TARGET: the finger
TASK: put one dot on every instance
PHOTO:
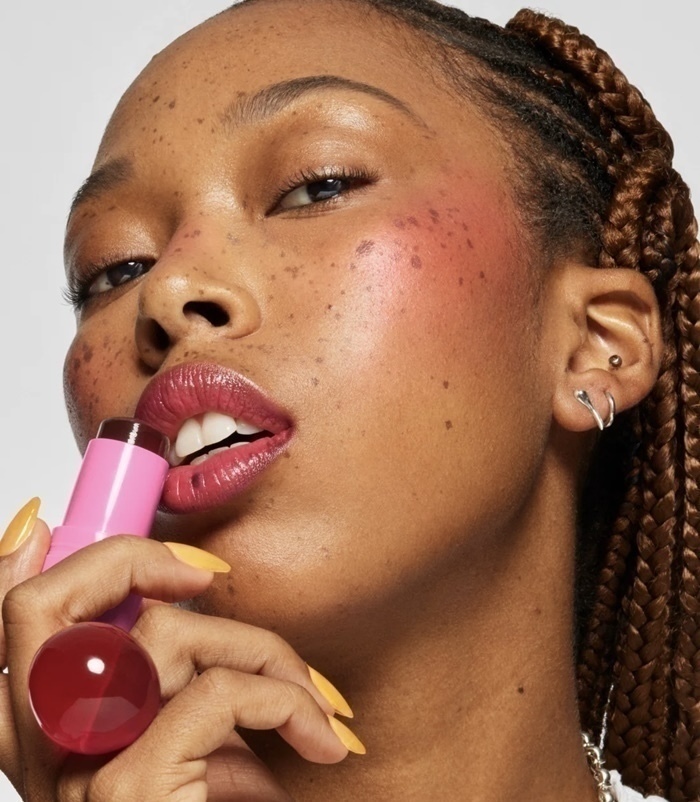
(24, 562)
(87, 584)
(169, 759)
(183, 644)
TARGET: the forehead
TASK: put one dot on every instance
(237, 53)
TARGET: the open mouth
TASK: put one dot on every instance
(210, 433)
(225, 432)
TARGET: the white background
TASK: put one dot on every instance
(64, 65)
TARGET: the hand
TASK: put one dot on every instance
(215, 674)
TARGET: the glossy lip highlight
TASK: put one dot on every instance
(193, 389)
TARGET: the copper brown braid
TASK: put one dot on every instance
(685, 754)
(652, 654)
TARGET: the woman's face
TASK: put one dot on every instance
(386, 311)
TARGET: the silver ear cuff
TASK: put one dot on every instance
(582, 396)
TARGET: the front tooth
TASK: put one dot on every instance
(189, 438)
(217, 427)
(246, 428)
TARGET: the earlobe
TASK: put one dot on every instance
(610, 355)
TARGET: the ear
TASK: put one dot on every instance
(599, 313)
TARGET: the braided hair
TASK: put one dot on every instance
(595, 178)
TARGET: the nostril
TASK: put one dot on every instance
(211, 312)
(158, 336)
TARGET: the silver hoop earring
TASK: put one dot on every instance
(582, 396)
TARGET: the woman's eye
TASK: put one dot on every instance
(117, 275)
(314, 192)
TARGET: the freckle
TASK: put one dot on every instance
(366, 246)
(171, 105)
(448, 424)
(434, 215)
(416, 262)
(481, 274)
(160, 138)
(178, 250)
(446, 384)
(461, 281)
(470, 243)
(314, 381)
(414, 222)
(112, 208)
(319, 360)
(196, 233)
(399, 224)
(88, 353)
(291, 316)
(200, 120)
(156, 98)
(352, 265)
(521, 689)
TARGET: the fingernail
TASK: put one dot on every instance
(330, 693)
(20, 527)
(198, 558)
(347, 737)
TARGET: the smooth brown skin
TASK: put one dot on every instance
(416, 544)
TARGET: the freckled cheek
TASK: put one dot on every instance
(94, 374)
(440, 280)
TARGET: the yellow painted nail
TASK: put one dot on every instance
(347, 737)
(20, 527)
(198, 558)
(330, 693)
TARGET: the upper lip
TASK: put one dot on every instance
(192, 389)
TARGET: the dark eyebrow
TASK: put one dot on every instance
(105, 178)
(274, 98)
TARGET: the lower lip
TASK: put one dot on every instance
(221, 478)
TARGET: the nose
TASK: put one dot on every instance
(178, 304)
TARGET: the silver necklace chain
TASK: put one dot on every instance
(600, 774)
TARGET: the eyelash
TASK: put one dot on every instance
(357, 177)
(77, 294)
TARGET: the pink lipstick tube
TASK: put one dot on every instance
(117, 492)
(92, 687)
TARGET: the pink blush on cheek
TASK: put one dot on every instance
(444, 263)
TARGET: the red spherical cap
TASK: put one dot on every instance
(93, 688)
